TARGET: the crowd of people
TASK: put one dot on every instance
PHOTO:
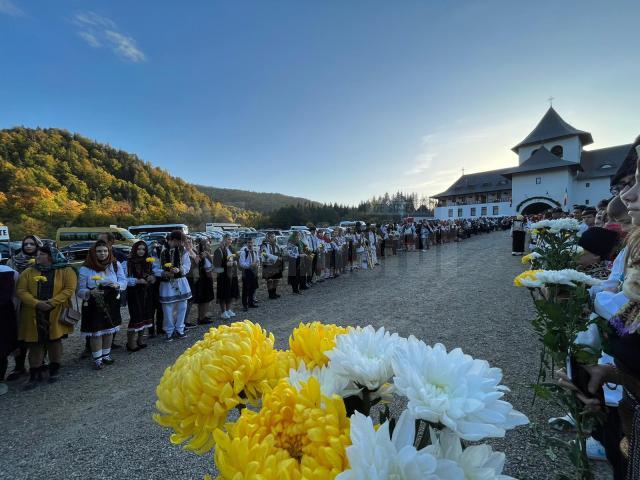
(43, 298)
(609, 237)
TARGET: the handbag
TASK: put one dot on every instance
(70, 316)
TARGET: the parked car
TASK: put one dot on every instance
(243, 237)
(77, 252)
(6, 250)
(157, 236)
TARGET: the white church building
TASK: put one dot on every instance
(553, 171)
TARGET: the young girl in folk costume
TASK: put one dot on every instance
(171, 268)
(203, 281)
(225, 266)
(99, 286)
(351, 251)
(141, 280)
(272, 264)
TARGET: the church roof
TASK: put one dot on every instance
(602, 162)
(551, 127)
(481, 182)
(541, 159)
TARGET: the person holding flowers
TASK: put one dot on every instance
(226, 268)
(272, 265)
(295, 252)
(101, 279)
(45, 290)
(20, 262)
(140, 278)
(203, 281)
(171, 269)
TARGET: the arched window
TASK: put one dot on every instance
(557, 151)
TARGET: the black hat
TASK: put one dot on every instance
(557, 210)
(628, 166)
(312, 227)
(599, 241)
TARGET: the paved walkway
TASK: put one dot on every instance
(97, 425)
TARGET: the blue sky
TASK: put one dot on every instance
(332, 100)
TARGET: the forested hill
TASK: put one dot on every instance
(51, 178)
(256, 201)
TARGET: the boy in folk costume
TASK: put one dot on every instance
(171, 268)
(359, 248)
(272, 264)
(226, 268)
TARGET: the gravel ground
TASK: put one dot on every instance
(98, 425)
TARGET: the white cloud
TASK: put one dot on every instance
(90, 38)
(125, 46)
(8, 8)
(98, 31)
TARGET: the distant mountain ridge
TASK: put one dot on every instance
(51, 178)
(262, 202)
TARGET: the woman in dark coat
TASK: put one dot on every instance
(8, 320)
(203, 281)
(140, 285)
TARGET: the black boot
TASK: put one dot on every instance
(272, 294)
(54, 372)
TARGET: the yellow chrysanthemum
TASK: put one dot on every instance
(535, 231)
(96, 278)
(168, 265)
(527, 259)
(526, 275)
(229, 366)
(31, 261)
(285, 361)
(296, 435)
(150, 259)
(309, 341)
(40, 278)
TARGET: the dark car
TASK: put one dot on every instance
(79, 250)
(7, 248)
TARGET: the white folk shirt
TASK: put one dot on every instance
(247, 258)
(86, 283)
(177, 289)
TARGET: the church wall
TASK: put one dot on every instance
(551, 184)
(474, 211)
(572, 149)
(597, 190)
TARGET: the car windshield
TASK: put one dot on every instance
(127, 234)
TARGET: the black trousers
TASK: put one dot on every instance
(249, 286)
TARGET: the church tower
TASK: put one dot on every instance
(556, 136)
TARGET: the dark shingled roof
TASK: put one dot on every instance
(478, 183)
(551, 127)
(602, 162)
(541, 159)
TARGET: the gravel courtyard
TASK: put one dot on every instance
(97, 425)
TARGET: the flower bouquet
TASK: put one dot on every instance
(562, 302)
(307, 412)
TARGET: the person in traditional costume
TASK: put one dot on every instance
(350, 247)
(203, 280)
(359, 246)
(598, 244)
(8, 320)
(296, 255)
(226, 268)
(20, 262)
(45, 290)
(272, 264)
(172, 266)
(101, 280)
(191, 276)
(372, 245)
(248, 261)
(517, 234)
(140, 283)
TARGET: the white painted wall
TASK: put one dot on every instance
(504, 208)
(552, 185)
(597, 190)
(572, 149)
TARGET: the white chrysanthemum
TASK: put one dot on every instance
(557, 226)
(567, 276)
(363, 355)
(454, 389)
(478, 462)
(373, 455)
(330, 383)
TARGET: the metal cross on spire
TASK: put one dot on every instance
(551, 99)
